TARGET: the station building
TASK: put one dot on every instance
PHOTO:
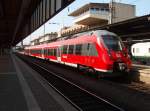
(44, 39)
(98, 14)
(89, 16)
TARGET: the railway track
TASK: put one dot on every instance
(80, 98)
(131, 83)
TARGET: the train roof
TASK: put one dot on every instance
(141, 44)
(104, 32)
(78, 38)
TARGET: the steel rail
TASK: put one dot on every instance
(78, 107)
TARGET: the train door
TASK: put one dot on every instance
(93, 54)
(59, 54)
(42, 53)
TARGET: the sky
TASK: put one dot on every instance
(62, 18)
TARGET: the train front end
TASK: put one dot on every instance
(115, 55)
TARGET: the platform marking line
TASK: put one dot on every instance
(29, 97)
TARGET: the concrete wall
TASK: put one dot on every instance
(123, 12)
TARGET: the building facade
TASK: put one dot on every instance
(99, 14)
(44, 39)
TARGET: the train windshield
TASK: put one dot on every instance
(112, 42)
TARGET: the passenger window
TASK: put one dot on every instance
(54, 52)
(38, 51)
(137, 50)
(78, 49)
(35, 51)
(45, 51)
(93, 50)
(133, 50)
(65, 47)
(50, 52)
(71, 49)
(85, 49)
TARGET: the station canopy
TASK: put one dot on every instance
(133, 29)
(19, 18)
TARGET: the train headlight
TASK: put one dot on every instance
(122, 66)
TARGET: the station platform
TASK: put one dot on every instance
(143, 71)
(23, 89)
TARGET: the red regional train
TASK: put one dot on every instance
(99, 51)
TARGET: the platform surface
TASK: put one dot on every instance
(21, 89)
(11, 95)
(143, 71)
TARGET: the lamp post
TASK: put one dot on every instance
(44, 33)
(111, 7)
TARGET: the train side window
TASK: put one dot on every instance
(65, 47)
(54, 54)
(39, 51)
(133, 50)
(58, 51)
(32, 51)
(71, 49)
(35, 51)
(50, 52)
(85, 49)
(137, 50)
(78, 49)
(42, 51)
(45, 51)
(61, 50)
(93, 50)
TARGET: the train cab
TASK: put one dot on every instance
(115, 54)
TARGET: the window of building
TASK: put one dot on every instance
(102, 9)
(97, 9)
(92, 9)
(107, 9)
